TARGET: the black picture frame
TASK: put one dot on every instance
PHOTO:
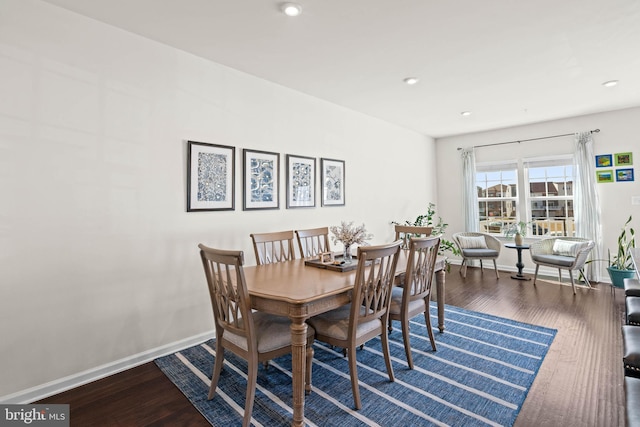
(333, 182)
(301, 181)
(261, 180)
(210, 177)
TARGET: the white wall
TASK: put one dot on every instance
(618, 133)
(98, 256)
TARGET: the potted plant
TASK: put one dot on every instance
(621, 265)
(426, 220)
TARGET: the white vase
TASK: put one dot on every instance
(518, 239)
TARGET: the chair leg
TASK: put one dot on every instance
(353, 371)
(535, 276)
(573, 285)
(586, 279)
(387, 354)
(217, 368)
(252, 379)
(481, 268)
(560, 275)
(463, 268)
(495, 266)
(427, 321)
(405, 338)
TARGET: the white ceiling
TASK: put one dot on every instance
(509, 62)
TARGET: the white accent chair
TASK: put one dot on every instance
(480, 246)
(563, 253)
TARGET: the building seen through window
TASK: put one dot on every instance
(545, 205)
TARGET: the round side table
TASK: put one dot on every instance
(520, 265)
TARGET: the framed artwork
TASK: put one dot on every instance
(261, 180)
(623, 159)
(332, 182)
(624, 174)
(301, 181)
(210, 177)
(604, 176)
(604, 161)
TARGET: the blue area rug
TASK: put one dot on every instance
(480, 375)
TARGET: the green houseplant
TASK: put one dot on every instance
(427, 220)
(621, 265)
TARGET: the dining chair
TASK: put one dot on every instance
(255, 336)
(367, 315)
(405, 232)
(414, 296)
(313, 241)
(274, 247)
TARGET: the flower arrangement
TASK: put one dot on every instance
(348, 234)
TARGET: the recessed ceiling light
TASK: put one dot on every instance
(411, 80)
(465, 113)
(610, 83)
(291, 9)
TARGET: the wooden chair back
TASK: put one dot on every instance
(421, 263)
(275, 247)
(406, 232)
(372, 288)
(228, 291)
(313, 241)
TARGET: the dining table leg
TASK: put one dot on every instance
(298, 366)
(440, 275)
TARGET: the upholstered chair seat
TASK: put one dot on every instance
(631, 287)
(631, 350)
(272, 332)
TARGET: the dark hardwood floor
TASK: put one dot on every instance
(580, 382)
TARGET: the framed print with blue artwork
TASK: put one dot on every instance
(624, 175)
(301, 181)
(261, 180)
(332, 182)
(210, 177)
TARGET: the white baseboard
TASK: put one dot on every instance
(72, 381)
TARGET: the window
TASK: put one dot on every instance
(546, 204)
(497, 196)
(550, 198)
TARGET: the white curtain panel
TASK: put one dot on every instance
(586, 206)
(469, 192)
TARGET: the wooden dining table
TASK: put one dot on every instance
(300, 291)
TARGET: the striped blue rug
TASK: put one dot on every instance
(480, 375)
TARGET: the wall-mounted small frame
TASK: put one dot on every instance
(624, 174)
(261, 180)
(332, 182)
(301, 181)
(623, 159)
(210, 177)
(604, 176)
(604, 161)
